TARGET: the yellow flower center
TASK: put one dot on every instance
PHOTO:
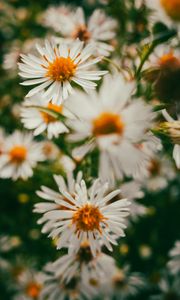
(33, 290)
(172, 8)
(88, 218)
(61, 69)
(18, 154)
(108, 123)
(47, 117)
(81, 33)
(167, 59)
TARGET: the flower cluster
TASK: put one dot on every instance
(94, 123)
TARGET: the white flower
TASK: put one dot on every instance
(174, 263)
(115, 124)
(84, 264)
(176, 150)
(54, 288)
(124, 284)
(20, 155)
(160, 171)
(34, 117)
(84, 215)
(98, 30)
(167, 11)
(29, 285)
(58, 67)
(44, 207)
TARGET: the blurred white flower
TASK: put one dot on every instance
(29, 285)
(58, 67)
(34, 117)
(115, 124)
(174, 263)
(167, 11)
(98, 30)
(124, 284)
(20, 155)
(83, 215)
(84, 264)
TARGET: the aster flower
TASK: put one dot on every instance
(176, 150)
(29, 285)
(34, 116)
(85, 215)
(2, 138)
(58, 67)
(50, 205)
(98, 30)
(113, 123)
(165, 10)
(20, 155)
(168, 288)
(85, 264)
(124, 284)
(160, 171)
(174, 263)
(54, 288)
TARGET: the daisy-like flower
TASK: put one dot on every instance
(85, 215)
(20, 156)
(124, 284)
(174, 263)
(113, 123)
(168, 288)
(160, 171)
(34, 117)
(54, 288)
(176, 150)
(167, 11)
(50, 205)
(98, 30)
(85, 264)
(29, 285)
(58, 67)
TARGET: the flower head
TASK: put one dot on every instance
(40, 114)
(58, 67)
(113, 123)
(174, 263)
(85, 215)
(19, 156)
(98, 30)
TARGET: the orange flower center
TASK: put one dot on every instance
(47, 117)
(154, 167)
(172, 8)
(18, 154)
(33, 289)
(108, 123)
(61, 69)
(81, 33)
(88, 218)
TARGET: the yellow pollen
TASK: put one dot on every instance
(33, 290)
(108, 123)
(88, 218)
(61, 69)
(172, 8)
(47, 117)
(18, 154)
(82, 33)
